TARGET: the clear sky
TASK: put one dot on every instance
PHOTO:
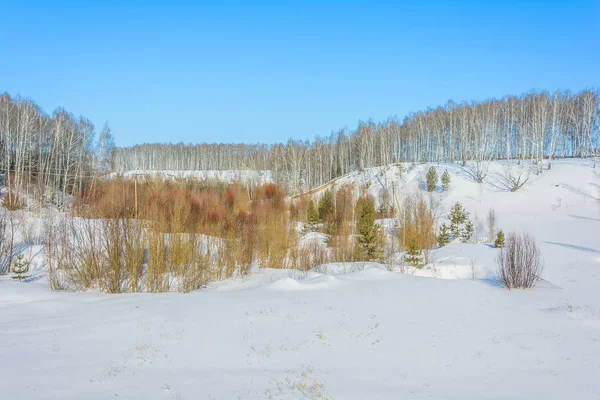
(253, 71)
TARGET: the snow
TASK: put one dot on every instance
(225, 176)
(343, 331)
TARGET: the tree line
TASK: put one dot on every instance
(47, 156)
(52, 155)
(533, 126)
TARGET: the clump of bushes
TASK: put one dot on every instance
(519, 262)
(162, 236)
(341, 240)
(13, 202)
(417, 228)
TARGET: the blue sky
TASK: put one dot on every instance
(183, 71)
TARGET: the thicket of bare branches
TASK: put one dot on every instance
(417, 217)
(491, 225)
(520, 262)
(7, 240)
(175, 238)
(5, 253)
(516, 175)
(119, 255)
(534, 126)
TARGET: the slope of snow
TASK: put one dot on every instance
(345, 331)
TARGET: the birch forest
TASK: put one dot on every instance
(533, 126)
(44, 157)
(51, 155)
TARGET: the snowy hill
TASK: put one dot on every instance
(349, 331)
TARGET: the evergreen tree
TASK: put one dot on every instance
(20, 268)
(446, 180)
(326, 206)
(369, 242)
(458, 216)
(414, 256)
(467, 232)
(313, 214)
(499, 243)
(338, 171)
(432, 179)
(444, 236)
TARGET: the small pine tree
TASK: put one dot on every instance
(369, 242)
(20, 268)
(444, 237)
(382, 211)
(432, 179)
(326, 206)
(458, 216)
(414, 256)
(313, 214)
(499, 242)
(446, 180)
(467, 232)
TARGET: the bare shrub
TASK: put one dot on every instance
(122, 255)
(341, 240)
(173, 238)
(7, 240)
(478, 169)
(520, 262)
(491, 225)
(307, 256)
(157, 268)
(386, 208)
(13, 202)
(342, 243)
(273, 231)
(86, 254)
(5, 247)
(479, 228)
(473, 264)
(417, 223)
(516, 176)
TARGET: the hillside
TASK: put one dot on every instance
(346, 331)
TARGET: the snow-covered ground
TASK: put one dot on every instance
(348, 331)
(225, 176)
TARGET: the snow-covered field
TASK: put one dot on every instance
(353, 331)
(225, 176)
